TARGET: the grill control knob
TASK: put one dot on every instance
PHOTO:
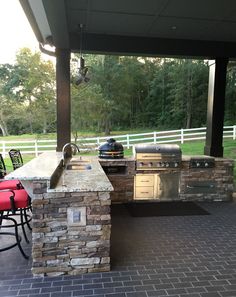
(167, 164)
(150, 164)
(140, 164)
(176, 164)
(198, 164)
(206, 164)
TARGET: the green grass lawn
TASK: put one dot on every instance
(82, 134)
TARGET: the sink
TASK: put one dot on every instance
(79, 161)
(79, 164)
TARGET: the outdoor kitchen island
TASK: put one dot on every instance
(71, 214)
(71, 203)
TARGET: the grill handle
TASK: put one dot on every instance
(200, 186)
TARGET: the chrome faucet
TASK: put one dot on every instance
(64, 153)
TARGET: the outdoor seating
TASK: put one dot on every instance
(16, 158)
(12, 204)
(13, 185)
(7, 184)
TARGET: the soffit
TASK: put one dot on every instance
(182, 24)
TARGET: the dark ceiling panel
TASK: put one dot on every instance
(119, 24)
(76, 18)
(170, 27)
(232, 15)
(173, 27)
(75, 4)
(204, 9)
(225, 31)
(127, 6)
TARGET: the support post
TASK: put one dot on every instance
(63, 97)
(215, 109)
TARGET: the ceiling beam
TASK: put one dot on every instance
(145, 46)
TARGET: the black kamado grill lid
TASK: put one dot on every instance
(111, 149)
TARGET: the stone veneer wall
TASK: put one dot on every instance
(63, 244)
(221, 175)
(123, 184)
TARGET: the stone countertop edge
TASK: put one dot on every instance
(186, 158)
(44, 166)
(39, 168)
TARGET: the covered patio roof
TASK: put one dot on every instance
(152, 27)
(183, 28)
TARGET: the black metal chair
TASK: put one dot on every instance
(7, 184)
(16, 158)
(12, 202)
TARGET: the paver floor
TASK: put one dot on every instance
(176, 256)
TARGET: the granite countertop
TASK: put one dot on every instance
(186, 158)
(47, 165)
(40, 168)
(93, 179)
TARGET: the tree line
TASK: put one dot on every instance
(122, 93)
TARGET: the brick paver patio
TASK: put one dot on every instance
(177, 256)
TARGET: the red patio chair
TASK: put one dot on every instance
(12, 202)
(13, 185)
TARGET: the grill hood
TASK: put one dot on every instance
(158, 148)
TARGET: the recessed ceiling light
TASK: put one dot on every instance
(173, 27)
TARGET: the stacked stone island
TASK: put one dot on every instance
(221, 178)
(70, 216)
(65, 244)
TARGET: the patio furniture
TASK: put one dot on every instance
(7, 184)
(16, 158)
(13, 185)
(13, 203)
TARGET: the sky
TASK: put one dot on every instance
(15, 31)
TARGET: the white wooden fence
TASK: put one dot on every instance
(177, 136)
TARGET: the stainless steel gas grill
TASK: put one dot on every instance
(161, 157)
(157, 171)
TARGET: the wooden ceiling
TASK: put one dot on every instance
(203, 28)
